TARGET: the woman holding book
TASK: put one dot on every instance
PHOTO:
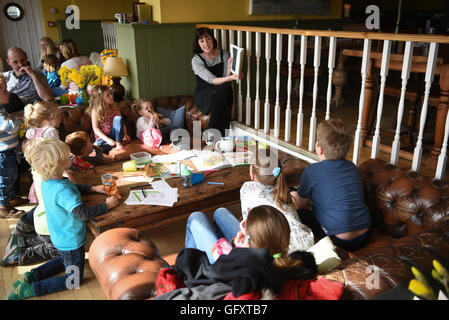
(212, 69)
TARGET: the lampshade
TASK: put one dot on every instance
(115, 67)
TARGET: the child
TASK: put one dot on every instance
(149, 124)
(66, 219)
(30, 240)
(269, 187)
(51, 65)
(42, 119)
(259, 261)
(8, 100)
(107, 122)
(9, 140)
(81, 147)
(335, 187)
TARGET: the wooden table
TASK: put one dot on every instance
(199, 197)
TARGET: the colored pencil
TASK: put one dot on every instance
(218, 183)
(226, 174)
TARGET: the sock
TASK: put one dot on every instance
(23, 291)
(27, 277)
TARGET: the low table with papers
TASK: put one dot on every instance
(202, 196)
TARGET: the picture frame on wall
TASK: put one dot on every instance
(297, 7)
(237, 59)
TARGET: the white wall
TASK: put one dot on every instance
(25, 33)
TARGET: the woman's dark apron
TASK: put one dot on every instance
(216, 99)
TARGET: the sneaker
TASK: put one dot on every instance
(12, 259)
(23, 291)
(27, 277)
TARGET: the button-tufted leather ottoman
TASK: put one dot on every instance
(126, 264)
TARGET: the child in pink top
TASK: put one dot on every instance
(107, 122)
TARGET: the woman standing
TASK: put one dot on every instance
(211, 67)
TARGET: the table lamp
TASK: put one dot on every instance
(115, 67)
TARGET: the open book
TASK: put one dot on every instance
(208, 160)
(237, 158)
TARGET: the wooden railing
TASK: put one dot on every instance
(428, 65)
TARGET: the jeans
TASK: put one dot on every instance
(116, 134)
(71, 261)
(201, 235)
(8, 176)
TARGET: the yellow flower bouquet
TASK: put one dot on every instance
(87, 75)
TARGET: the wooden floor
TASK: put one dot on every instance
(170, 239)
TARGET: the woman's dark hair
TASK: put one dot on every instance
(199, 33)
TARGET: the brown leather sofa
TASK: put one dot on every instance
(410, 228)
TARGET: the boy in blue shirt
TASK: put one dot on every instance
(335, 187)
(66, 219)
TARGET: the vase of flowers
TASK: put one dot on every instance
(87, 75)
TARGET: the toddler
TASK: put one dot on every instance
(81, 147)
(149, 124)
(108, 124)
(9, 140)
(66, 219)
(42, 119)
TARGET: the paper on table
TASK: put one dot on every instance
(161, 195)
(137, 179)
(173, 157)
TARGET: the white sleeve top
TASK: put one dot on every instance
(254, 194)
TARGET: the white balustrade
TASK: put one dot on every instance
(300, 120)
(288, 111)
(277, 107)
(239, 83)
(266, 114)
(364, 72)
(406, 65)
(430, 72)
(257, 98)
(248, 77)
(331, 66)
(380, 104)
(316, 65)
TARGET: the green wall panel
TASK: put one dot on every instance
(161, 60)
(89, 37)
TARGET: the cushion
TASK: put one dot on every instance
(325, 255)
(176, 116)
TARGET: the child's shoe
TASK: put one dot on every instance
(23, 291)
(27, 277)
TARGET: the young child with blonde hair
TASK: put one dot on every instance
(42, 119)
(66, 218)
(108, 124)
(150, 123)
